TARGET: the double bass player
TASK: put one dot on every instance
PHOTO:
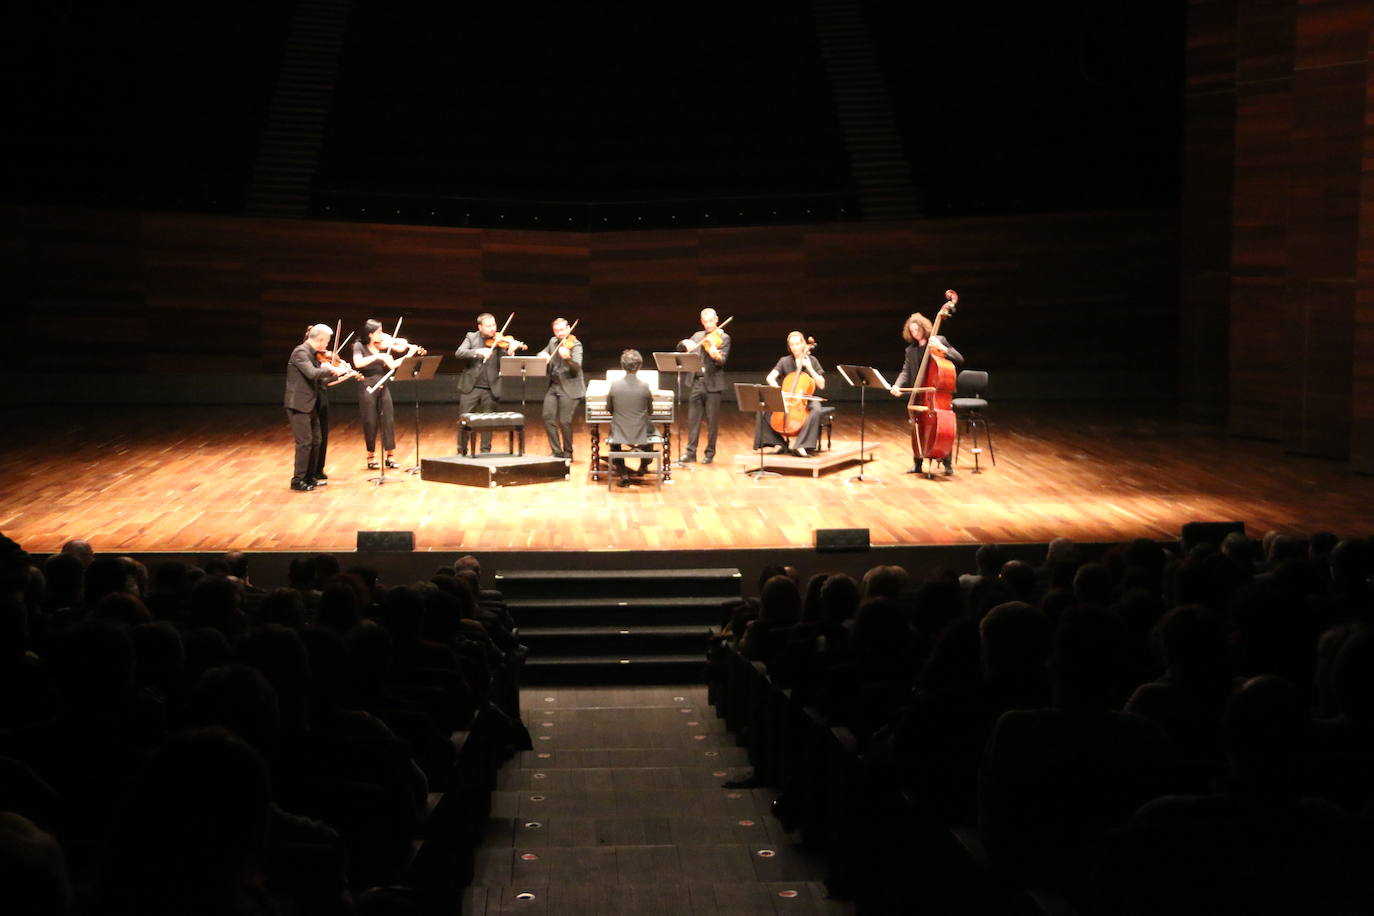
(917, 332)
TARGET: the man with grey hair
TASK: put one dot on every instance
(708, 385)
(306, 372)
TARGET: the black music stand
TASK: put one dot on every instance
(863, 378)
(416, 369)
(679, 364)
(523, 367)
(757, 399)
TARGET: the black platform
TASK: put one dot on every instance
(493, 470)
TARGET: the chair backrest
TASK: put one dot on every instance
(971, 382)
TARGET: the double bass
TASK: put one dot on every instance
(930, 409)
(798, 391)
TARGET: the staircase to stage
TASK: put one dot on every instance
(626, 626)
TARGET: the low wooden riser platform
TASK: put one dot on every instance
(211, 478)
(838, 455)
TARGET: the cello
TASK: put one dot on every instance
(930, 410)
(798, 390)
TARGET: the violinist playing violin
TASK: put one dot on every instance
(376, 352)
(306, 372)
(708, 385)
(917, 334)
(479, 382)
(567, 386)
(792, 374)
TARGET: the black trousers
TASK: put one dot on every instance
(699, 402)
(373, 409)
(305, 429)
(317, 466)
(558, 416)
(479, 400)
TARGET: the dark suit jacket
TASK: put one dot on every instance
(565, 375)
(304, 379)
(912, 364)
(475, 368)
(713, 371)
(631, 403)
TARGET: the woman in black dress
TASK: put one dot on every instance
(372, 357)
(798, 359)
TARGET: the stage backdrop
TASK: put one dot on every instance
(150, 306)
(1278, 216)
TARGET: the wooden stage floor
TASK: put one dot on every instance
(212, 478)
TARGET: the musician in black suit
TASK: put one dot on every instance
(479, 383)
(917, 334)
(806, 439)
(707, 386)
(567, 386)
(630, 402)
(305, 378)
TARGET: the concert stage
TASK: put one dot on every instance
(178, 479)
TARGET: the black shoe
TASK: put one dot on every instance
(319, 478)
(317, 481)
(689, 458)
(391, 463)
(914, 469)
(708, 459)
(302, 485)
(623, 482)
(373, 466)
(949, 470)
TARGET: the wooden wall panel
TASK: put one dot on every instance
(1362, 381)
(1055, 293)
(1209, 148)
(1259, 232)
(1324, 209)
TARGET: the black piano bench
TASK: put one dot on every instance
(470, 425)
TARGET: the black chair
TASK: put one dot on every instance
(970, 387)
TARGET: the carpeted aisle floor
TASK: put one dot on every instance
(619, 809)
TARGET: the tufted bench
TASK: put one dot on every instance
(470, 425)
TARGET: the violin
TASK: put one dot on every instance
(930, 408)
(503, 341)
(798, 390)
(399, 347)
(332, 358)
(568, 341)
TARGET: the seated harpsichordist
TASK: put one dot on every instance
(630, 403)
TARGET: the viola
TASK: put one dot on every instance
(930, 409)
(798, 390)
(713, 341)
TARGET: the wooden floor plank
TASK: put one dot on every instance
(213, 478)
